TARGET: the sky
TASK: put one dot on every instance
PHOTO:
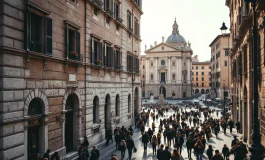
(199, 22)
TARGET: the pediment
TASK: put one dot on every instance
(162, 69)
(162, 47)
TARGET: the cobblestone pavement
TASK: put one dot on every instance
(217, 143)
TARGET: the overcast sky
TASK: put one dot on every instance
(199, 22)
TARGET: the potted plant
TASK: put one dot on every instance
(98, 62)
(73, 55)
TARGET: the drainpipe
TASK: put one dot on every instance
(85, 60)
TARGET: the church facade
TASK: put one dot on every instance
(168, 67)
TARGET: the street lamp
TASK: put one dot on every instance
(223, 28)
(256, 147)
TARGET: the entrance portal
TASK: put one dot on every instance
(107, 113)
(136, 96)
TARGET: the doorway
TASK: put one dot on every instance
(107, 113)
(33, 142)
(163, 77)
(69, 123)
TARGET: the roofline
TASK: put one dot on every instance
(207, 62)
(219, 36)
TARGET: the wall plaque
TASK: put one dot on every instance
(72, 77)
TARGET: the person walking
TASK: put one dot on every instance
(225, 152)
(47, 154)
(189, 145)
(158, 138)
(94, 153)
(217, 156)
(198, 148)
(117, 140)
(130, 146)
(165, 154)
(234, 141)
(145, 140)
(231, 125)
(238, 127)
(209, 152)
(224, 126)
(159, 151)
(55, 156)
(83, 152)
(150, 134)
(154, 143)
(179, 140)
(122, 148)
(175, 155)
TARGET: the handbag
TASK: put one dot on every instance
(134, 150)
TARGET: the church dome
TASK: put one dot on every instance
(175, 37)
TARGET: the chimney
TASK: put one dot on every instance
(155, 43)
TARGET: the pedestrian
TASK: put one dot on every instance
(47, 154)
(145, 140)
(150, 134)
(94, 153)
(165, 154)
(216, 131)
(175, 155)
(154, 143)
(37, 156)
(224, 126)
(122, 148)
(179, 140)
(130, 146)
(158, 138)
(225, 152)
(198, 148)
(231, 125)
(238, 127)
(159, 151)
(83, 152)
(209, 152)
(189, 145)
(117, 140)
(55, 156)
(85, 142)
(114, 157)
(217, 156)
(234, 141)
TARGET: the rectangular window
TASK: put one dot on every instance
(116, 10)
(203, 73)
(192, 73)
(210, 67)
(196, 78)
(38, 33)
(196, 67)
(226, 52)
(210, 73)
(202, 78)
(202, 67)
(196, 73)
(192, 67)
(96, 52)
(117, 59)
(136, 28)
(72, 37)
(225, 63)
(217, 66)
(202, 84)
(133, 63)
(197, 84)
(129, 20)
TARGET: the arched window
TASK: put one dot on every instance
(35, 107)
(117, 106)
(129, 103)
(95, 109)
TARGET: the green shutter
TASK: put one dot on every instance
(114, 59)
(67, 42)
(105, 55)
(100, 52)
(27, 30)
(48, 36)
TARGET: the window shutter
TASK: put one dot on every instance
(105, 5)
(27, 33)
(78, 45)
(100, 52)
(48, 36)
(114, 10)
(120, 59)
(127, 63)
(92, 51)
(111, 58)
(111, 6)
(114, 58)
(66, 42)
(105, 55)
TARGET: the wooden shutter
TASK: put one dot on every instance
(127, 62)
(105, 55)
(27, 17)
(67, 41)
(78, 45)
(111, 6)
(48, 36)
(105, 5)
(120, 59)
(114, 58)
(100, 52)
(92, 51)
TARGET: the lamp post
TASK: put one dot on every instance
(256, 147)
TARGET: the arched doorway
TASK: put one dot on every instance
(35, 112)
(136, 101)
(207, 91)
(202, 91)
(117, 105)
(107, 112)
(70, 131)
(197, 91)
(162, 90)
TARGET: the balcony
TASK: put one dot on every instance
(75, 56)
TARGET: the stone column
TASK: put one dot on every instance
(147, 70)
(169, 71)
(179, 70)
(188, 71)
(156, 77)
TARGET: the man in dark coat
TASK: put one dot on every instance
(217, 156)
(150, 133)
(145, 140)
(166, 155)
(179, 140)
(130, 145)
(159, 151)
(189, 145)
(224, 126)
(231, 125)
(234, 141)
(94, 153)
(117, 140)
(47, 154)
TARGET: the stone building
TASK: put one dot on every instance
(143, 74)
(201, 77)
(69, 69)
(221, 80)
(241, 55)
(168, 67)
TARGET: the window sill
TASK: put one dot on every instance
(95, 17)
(95, 125)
